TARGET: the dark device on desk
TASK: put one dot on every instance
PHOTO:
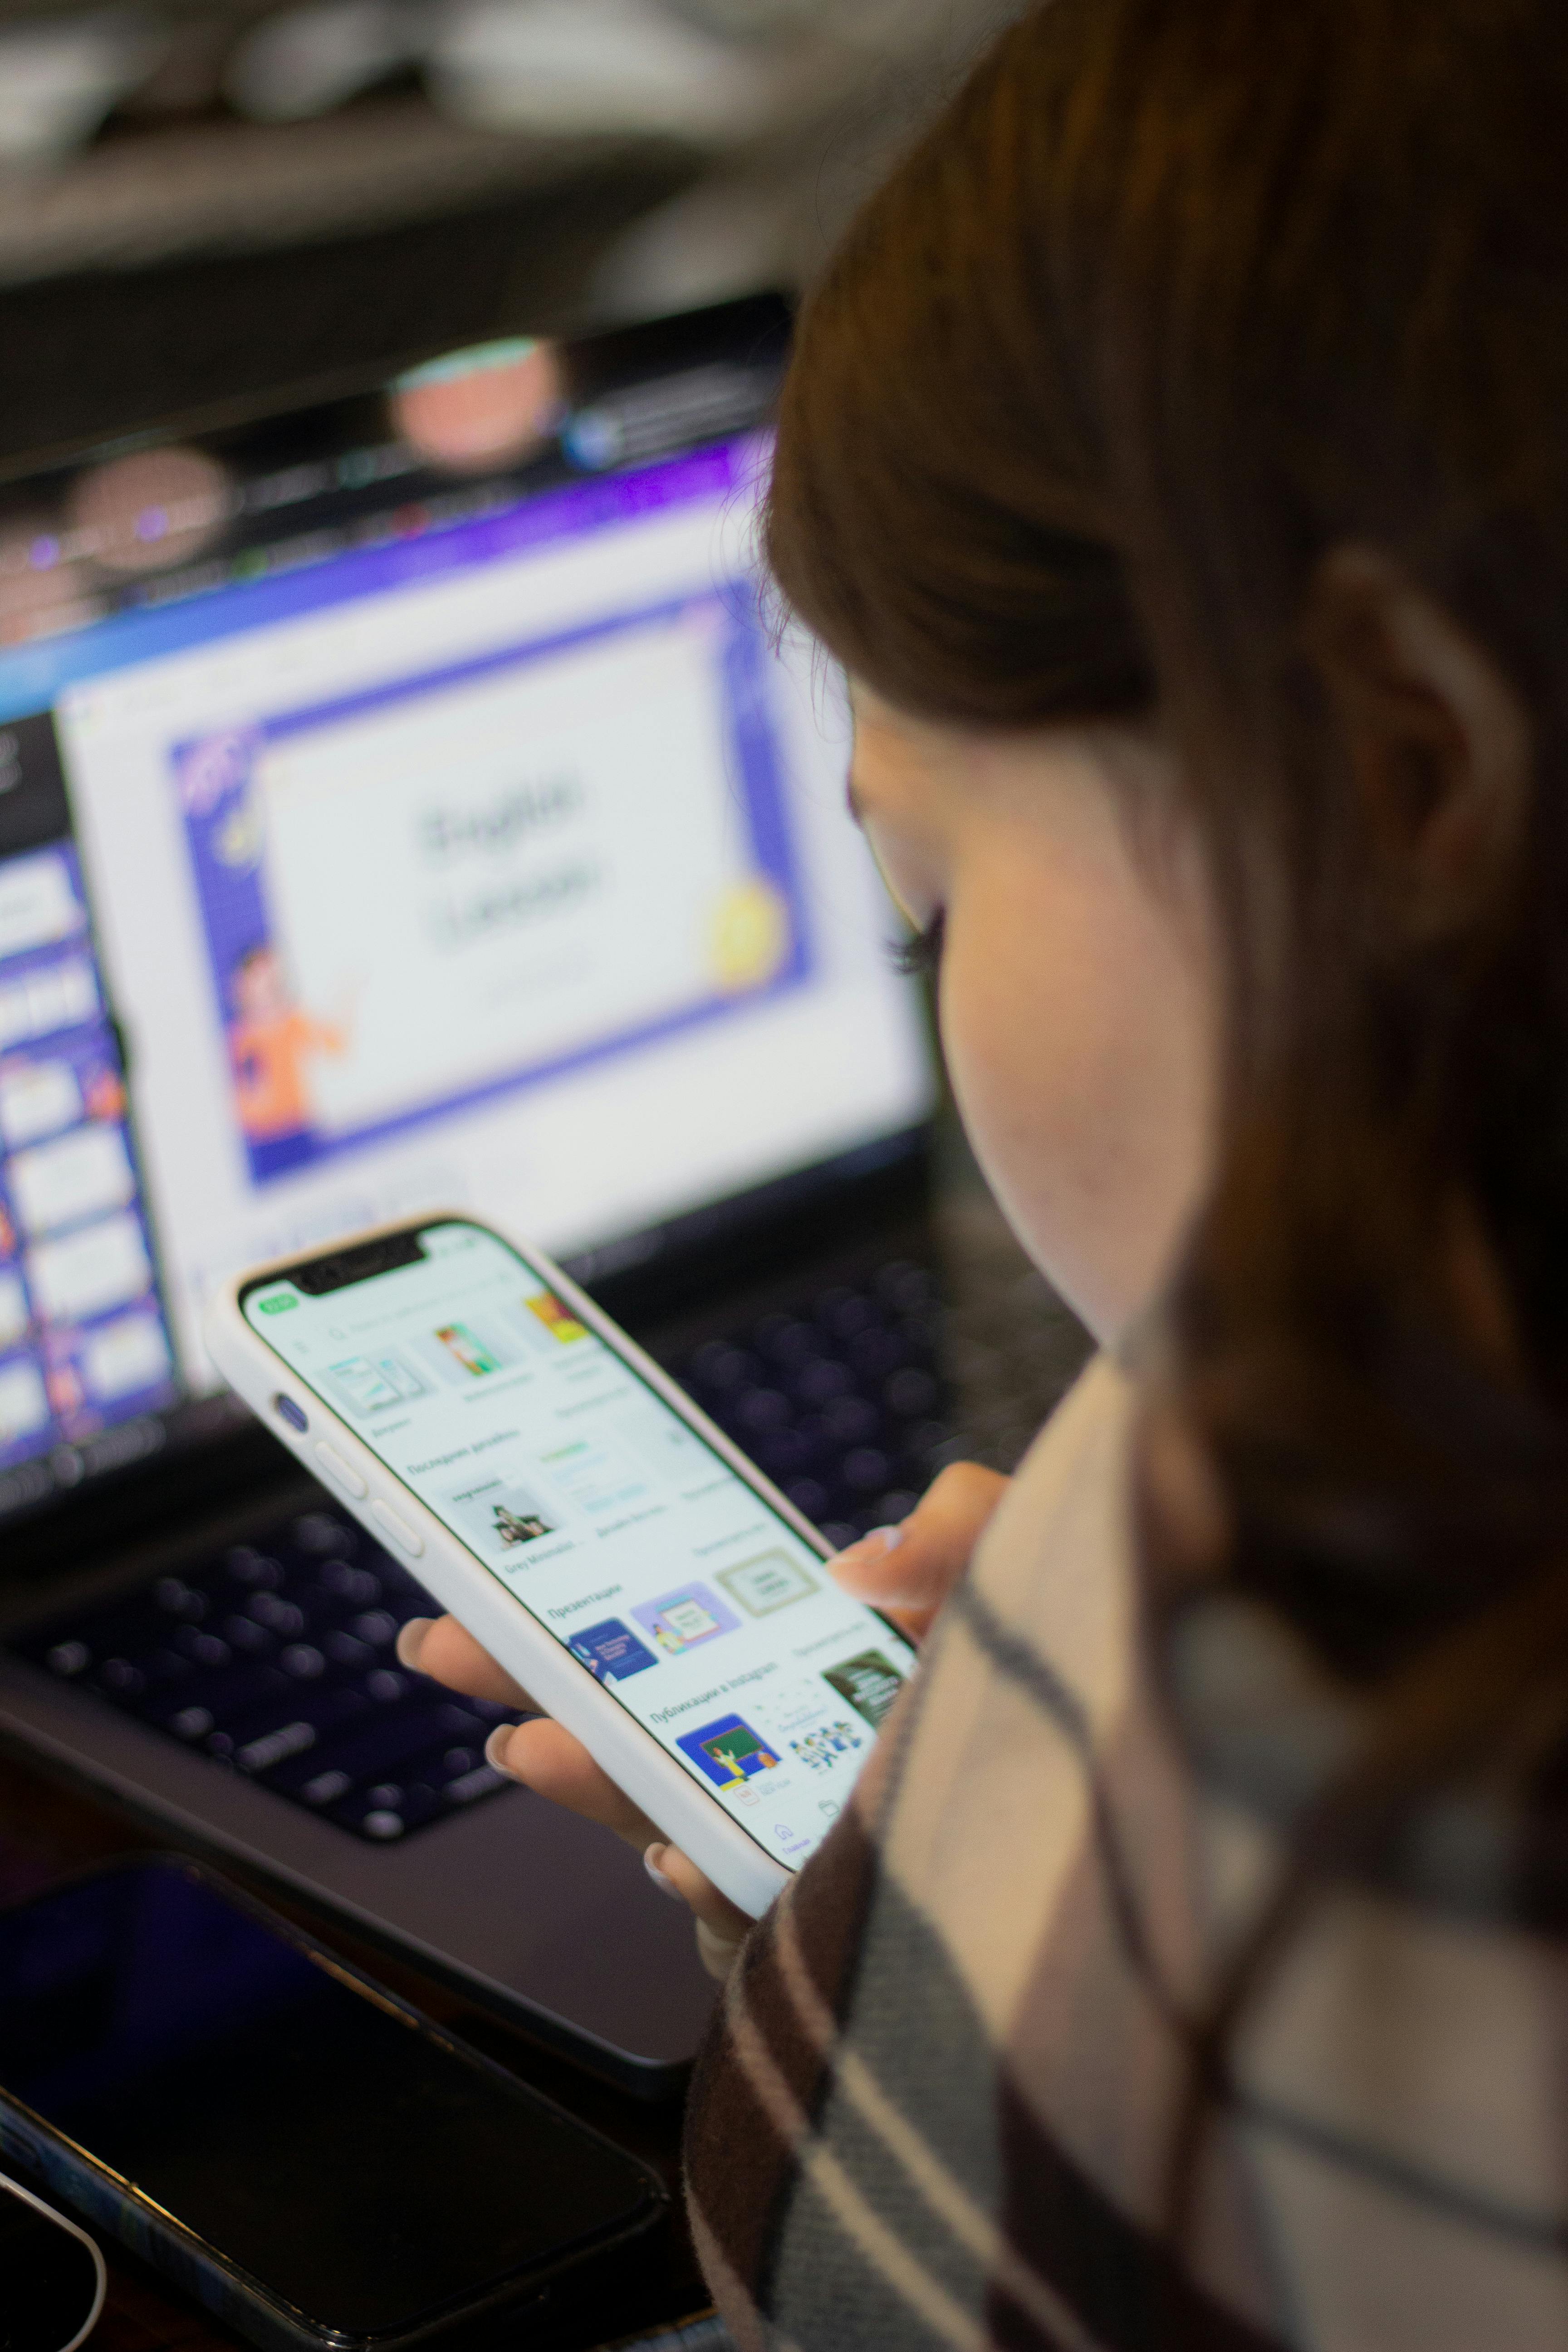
(52, 2277)
(310, 2159)
(392, 811)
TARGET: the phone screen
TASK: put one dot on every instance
(620, 1529)
(359, 2167)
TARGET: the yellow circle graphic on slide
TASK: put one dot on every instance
(749, 935)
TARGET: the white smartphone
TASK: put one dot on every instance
(561, 1495)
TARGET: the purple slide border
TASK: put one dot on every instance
(213, 772)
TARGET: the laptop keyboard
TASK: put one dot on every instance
(840, 1402)
(276, 1657)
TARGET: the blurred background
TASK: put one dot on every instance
(204, 199)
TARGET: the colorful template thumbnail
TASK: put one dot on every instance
(611, 1651)
(500, 1518)
(556, 1317)
(370, 1384)
(728, 1751)
(770, 1581)
(870, 1683)
(683, 1620)
(464, 1348)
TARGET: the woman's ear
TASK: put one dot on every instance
(1438, 739)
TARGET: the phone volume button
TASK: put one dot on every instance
(406, 1538)
(341, 1474)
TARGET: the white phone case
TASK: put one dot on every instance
(332, 1453)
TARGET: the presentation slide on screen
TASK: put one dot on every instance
(511, 869)
(467, 881)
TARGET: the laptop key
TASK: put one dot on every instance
(821, 1381)
(250, 1738)
(272, 1748)
(347, 1582)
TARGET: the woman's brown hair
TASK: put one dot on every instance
(1181, 297)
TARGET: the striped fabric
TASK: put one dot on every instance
(936, 2108)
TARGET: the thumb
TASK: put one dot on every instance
(910, 1569)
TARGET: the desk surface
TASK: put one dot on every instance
(47, 1833)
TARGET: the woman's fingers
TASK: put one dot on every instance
(553, 1764)
(909, 1570)
(442, 1648)
(721, 1928)
(539, 1752)
(549, 1761)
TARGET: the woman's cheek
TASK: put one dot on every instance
(1018, 1086)
(1048, 1093)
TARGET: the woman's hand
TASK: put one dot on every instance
(552, 1762)
(907, 1572)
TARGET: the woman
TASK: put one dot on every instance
(1176, 455)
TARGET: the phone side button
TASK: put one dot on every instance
(406, 1538)
(341, 1474)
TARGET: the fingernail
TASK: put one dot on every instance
(651, 1861)
(876, 1545)
(411, 1641)
(495, 1747)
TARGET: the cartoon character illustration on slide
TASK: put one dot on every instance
(273, 1042)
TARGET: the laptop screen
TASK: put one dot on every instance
(407, 801)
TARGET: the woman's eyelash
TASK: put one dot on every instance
(923, 952)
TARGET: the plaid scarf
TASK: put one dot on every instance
(936, 2107)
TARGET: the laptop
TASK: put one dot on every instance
(408, 799)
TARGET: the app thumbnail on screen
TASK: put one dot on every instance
(611, 1651)
(556, 1317)
(728, 1751)
(683, 1620)
(500, 1520)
